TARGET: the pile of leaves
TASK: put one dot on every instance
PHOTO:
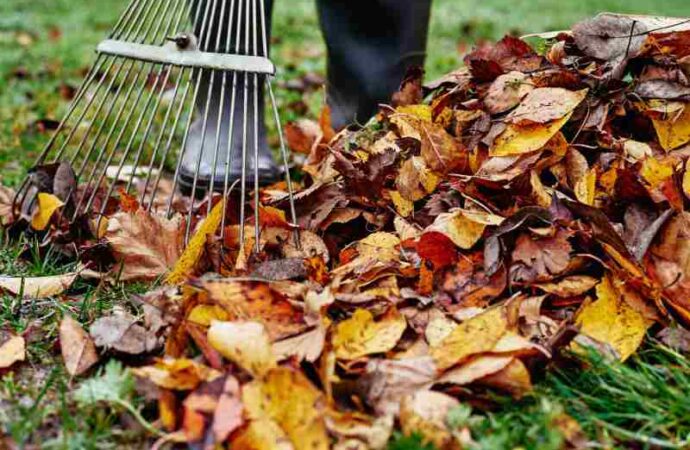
(530, 204)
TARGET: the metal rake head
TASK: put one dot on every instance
(168, 70)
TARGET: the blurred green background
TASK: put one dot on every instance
(47, 45)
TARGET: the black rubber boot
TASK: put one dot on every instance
(213, 142)
(370, 45)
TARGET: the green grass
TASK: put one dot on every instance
(45, 47)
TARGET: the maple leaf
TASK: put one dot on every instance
(146, 245)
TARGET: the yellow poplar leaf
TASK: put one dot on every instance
(12, 351)
(655, 171)
(403, 206)
(586, 188)
(513, 378)
(673, 130)
(283, 403)
(611, 320)
(47, 205)
(521, 139)
(205, 314)
(179, 374)
(191, 255)
(361, 335)
(476, 335)
(244, 343)
(421, 111)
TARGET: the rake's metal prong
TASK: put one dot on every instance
(243, 185)
(257, 230)
(198, 73)
(231, 127)
(279, 128)
(204, 123)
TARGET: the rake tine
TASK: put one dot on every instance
(255, 88)
(276, 116)
(231, 127)
(204, 123)
(243, 186)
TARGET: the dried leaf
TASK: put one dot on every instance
(147, 245)
(424, 412)
(283, 409)
(611, 320)
(78, 350)
(47, 205)
(176, 374)
(476, 335)
(521, 139)
(38, 287)
(361, 335)
(11, 351)
(244, 343)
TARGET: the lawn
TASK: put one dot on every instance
(45, 48)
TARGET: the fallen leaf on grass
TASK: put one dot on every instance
(38, 287)
(11, 351)
(611, 320)
(122, 332)
(78, 350)
(361, 335)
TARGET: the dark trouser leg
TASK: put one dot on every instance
(217, 32)
(370, 45)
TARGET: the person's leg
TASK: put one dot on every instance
(370, 44)
(217, 31)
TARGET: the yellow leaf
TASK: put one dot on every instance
(380, 246)
(655, 171)
(360, 335)
(179, 374)
(586, 188)
(244, 343)
(476, 335)
(402, 205)
(184, 266)
(47, 205)
(283, 408)
(569, 286)
(521, 139)
(464, 227)
(420, 111)
(673, 130)
(611, 320)
(438, 328)
(686, 179)
(204, 314)
(513, 378)
(12, 351)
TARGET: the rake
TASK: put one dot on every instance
(153, 78)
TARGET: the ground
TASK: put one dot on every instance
(45, 47)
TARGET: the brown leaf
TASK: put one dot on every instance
(78, 350)
(123, 333)
(147, 245)
(11, 351)
(540, 258)
(38, 287)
